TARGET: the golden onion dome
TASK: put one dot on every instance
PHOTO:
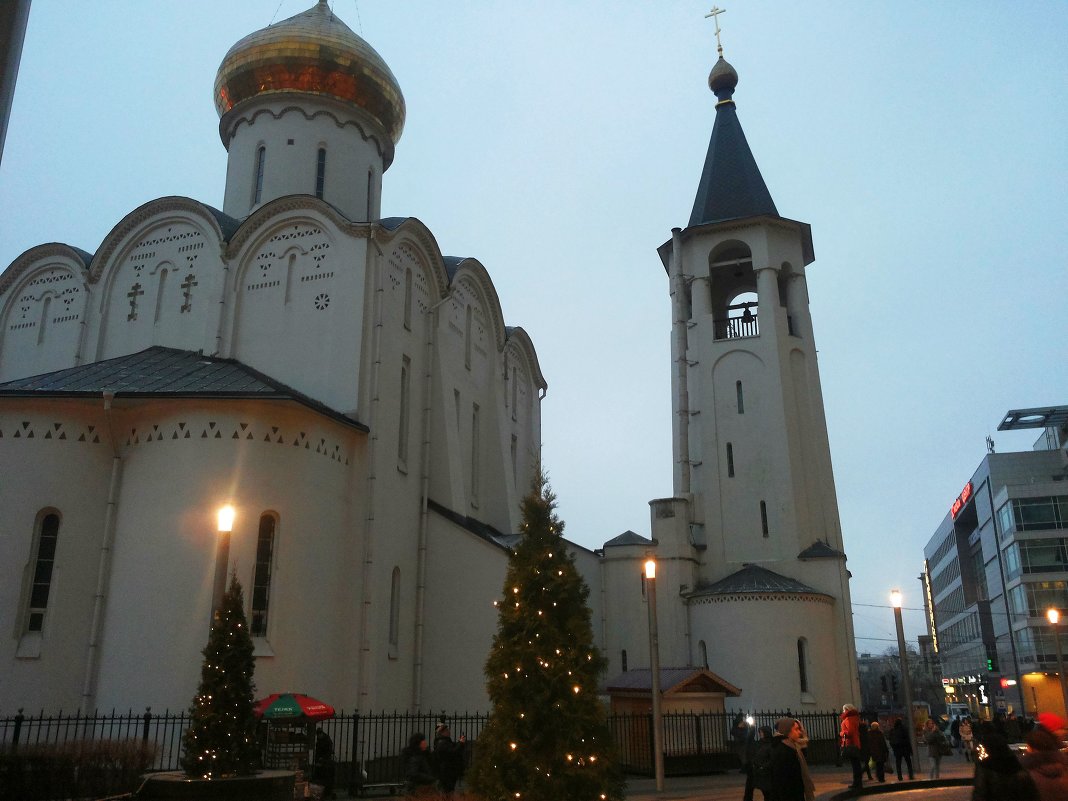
(316, 53)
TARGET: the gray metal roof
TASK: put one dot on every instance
(820, 550)
(1042, 417)
(754, 579)
(165, 372)
(628, 538)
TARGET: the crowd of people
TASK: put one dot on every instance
(426, 770)
(774, 762)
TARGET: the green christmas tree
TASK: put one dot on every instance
(547, 737)
(220, 740)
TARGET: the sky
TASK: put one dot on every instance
(560, 142)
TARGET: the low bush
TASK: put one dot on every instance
(73, 770)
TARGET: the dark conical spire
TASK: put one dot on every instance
(731, 185)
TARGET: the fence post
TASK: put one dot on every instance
(698, 736)
(147, 719)
(355, 775)
(19, 717)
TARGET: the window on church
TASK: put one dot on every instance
(467, 339)
(515, 391)
(702, 654)
(405, 411)
(261, 157)
(261, 579)
(44, 560)
(623, 659)
(802, 663)
(394, 612)
(764, 518)
(741, 397)
(370, 191)
(474, 454)
(408, 299)
(730, 460)
(320, 172)
(515, 454)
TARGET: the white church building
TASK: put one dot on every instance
(357, 398)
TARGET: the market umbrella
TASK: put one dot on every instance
(294, 707)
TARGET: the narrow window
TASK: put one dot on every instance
(46, 318)
(730, 460)
(515, 454)
(467, 339)
(261, 580)
(261, 157)
(764, 518)
(802, 668)
(370, 183)
(474, 455)
(47, 536)
(515, 390)
(320, 172)
(623, 659)
(456, 399)
(394, 610)
(702, 651)
(741, 398)
(408, 299)
(405, 404)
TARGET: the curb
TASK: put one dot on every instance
(882, 789)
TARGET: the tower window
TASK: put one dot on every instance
(623, 659)
(261, 157)
(730, 460)
(702, 654)
(320, 172)
(261, 580)
(44, 561)
(764, 518)
(802, 667)
(741, 397)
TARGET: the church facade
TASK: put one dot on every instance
(356, 396)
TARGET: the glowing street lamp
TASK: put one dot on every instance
(224, 525)
(895, 601)
(654, 663)
(1054, 617)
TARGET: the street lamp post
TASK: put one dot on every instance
(906, 683)
(654, 664)
(1054, 617)
(225, 524)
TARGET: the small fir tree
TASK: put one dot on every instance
(547, 737)
(221, 738)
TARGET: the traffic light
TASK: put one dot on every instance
(883, 678)
(893, 683)
(989, 664)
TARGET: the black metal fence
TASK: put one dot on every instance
(367, 747)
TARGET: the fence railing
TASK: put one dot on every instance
(367, 747)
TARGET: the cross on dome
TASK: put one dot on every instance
(714, 13)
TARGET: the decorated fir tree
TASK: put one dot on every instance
(220, 740)
(547, 737)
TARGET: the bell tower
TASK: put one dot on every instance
(752, 465)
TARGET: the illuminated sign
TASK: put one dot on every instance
(1008, 682)
(963, 498)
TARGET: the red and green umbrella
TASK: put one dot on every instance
(292, 707)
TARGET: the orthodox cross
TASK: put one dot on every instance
(135, 290)
(187, 292)
(714, 13)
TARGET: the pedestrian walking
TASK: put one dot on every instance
(967, 739)
(849, 739)
(865, 751)
(937, 747)
(790, 779)
(759, 775)
(899, 741)
(879, 750)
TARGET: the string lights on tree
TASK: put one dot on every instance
(547, 737)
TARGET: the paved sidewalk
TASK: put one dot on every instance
(829, 780)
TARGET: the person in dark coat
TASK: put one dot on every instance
(789, 770)
(448, 758)
(758, 776)
(865, 751)
(324, 768)
(998, 773)
(899, 741)
(1047, 764)
(879, 750)
(741, 737)
(417, 771)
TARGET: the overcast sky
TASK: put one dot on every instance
(559, 143)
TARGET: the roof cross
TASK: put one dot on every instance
(714, 13)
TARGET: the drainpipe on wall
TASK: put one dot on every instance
(366, 593)
(424, 511)
(103, 576)
(682, 398)
(222, 305)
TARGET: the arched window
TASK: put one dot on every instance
(730, 460)
(474, 454)
(623, 659)
(802, 663)
(741, 396)
(764, 518)
(261, 579)
(702, 654)
(320, 172)
(467, 338)
(394, 612)
(44, 559)
(405, 411)
(257, 191)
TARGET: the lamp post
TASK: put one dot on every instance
(224, 525)
(906, 683)
(654, 663)
(1054, 617)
